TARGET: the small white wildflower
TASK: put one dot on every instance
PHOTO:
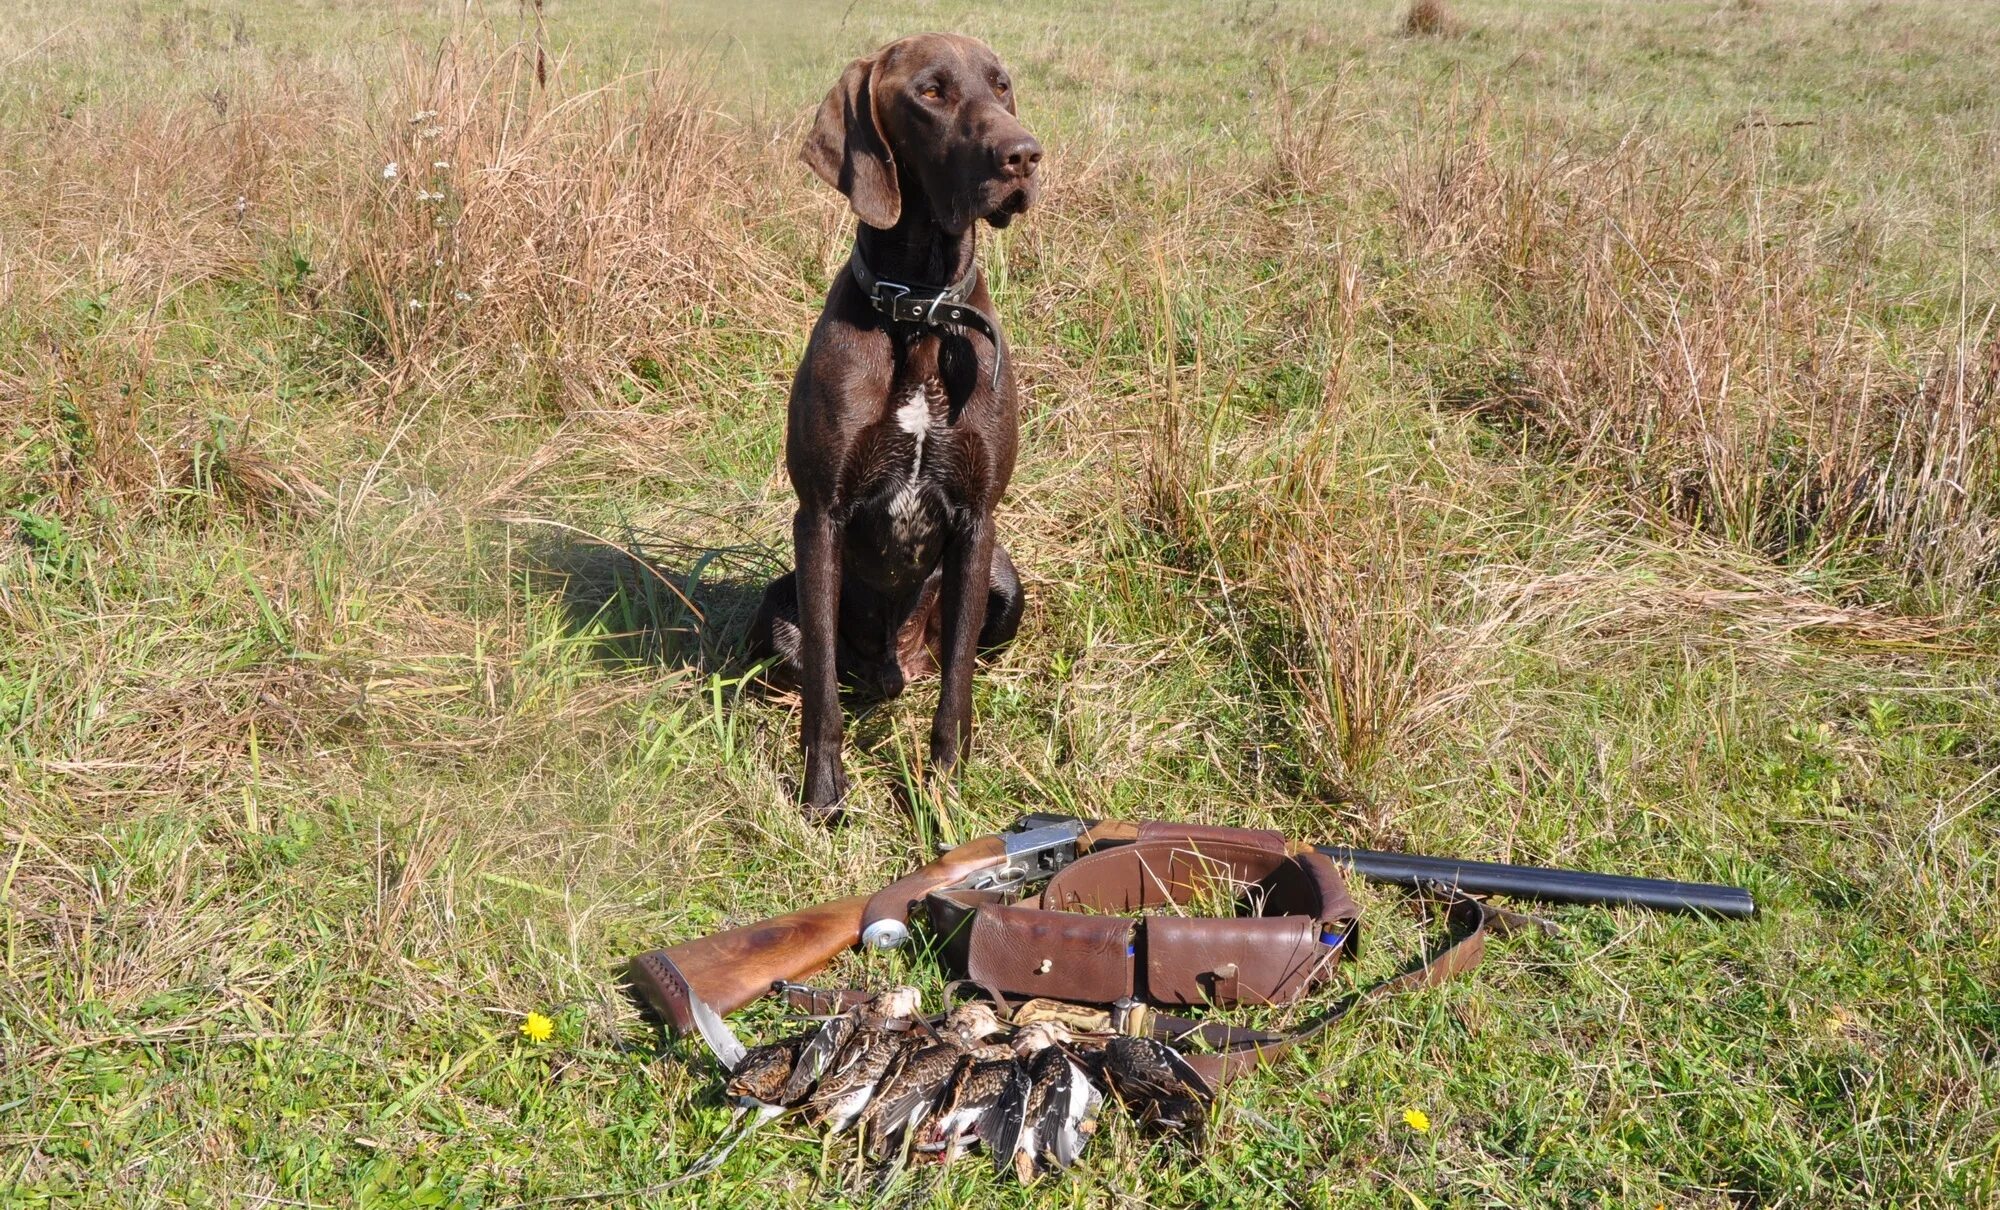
(416, 304)
(425, 195)
(440, 165)
(422, 115)
(461, 296)
(430, 132)
(390, 171)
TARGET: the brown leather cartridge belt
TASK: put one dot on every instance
(1077, 940)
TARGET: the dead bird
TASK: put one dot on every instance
(775, 1077)
(911, 1088)
(834, 1035)
(761, 1080)
(1159, 1088)
(985, 1077)
(1045, 1120)
(857, 1070)
(970, 1024)
(759, 1083)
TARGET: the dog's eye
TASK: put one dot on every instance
(1000, 87)
(931, 92)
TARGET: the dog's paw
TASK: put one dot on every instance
(943, 762)
(826, 817)
(826, 792)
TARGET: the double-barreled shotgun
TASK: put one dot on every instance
(727, 970)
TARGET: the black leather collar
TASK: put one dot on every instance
(928, 306)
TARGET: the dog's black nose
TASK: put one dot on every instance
(1019, 157)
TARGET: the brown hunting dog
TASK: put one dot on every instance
(903, 419)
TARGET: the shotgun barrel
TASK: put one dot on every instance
(1545, 885)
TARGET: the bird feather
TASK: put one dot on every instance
(826, 1043)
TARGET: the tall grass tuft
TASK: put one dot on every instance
(1428, 19)
(565, 237)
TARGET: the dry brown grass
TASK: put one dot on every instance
(1705, 342)
(1688, 342)
(539, 243)
(1429, 19)
(566, 238)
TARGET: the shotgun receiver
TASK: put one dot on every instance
(728, 970)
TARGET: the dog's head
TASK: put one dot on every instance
(934, 113)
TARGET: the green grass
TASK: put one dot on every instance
(349, 709)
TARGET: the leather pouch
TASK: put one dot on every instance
(1248, 960)
(1066, 955)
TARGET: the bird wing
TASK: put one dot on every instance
(901, 1102)
(1184, 1071)
(1004, 1123)
(722, 1040)
(1145, 1069)
(819, 1052)
(1071, 1101)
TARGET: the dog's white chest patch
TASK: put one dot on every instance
(915, 418)
(909, 518)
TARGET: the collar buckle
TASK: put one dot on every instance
(928, 307)
(888, 296)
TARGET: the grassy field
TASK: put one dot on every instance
(1571, 436)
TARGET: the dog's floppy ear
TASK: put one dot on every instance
(846, 149)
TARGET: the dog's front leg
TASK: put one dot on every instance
(968, 570)
(816, 537)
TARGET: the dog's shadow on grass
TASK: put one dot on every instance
(647, 600)
(643, 600)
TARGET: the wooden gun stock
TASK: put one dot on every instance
(728, 970)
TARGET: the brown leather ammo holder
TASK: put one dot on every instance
(1077, 940)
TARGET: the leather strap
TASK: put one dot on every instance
(1035, 947)
(819, 1002)
(928, 306)
(1230, 1051)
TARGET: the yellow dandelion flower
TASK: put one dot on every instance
(537, 1028)
(1417, 1120)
